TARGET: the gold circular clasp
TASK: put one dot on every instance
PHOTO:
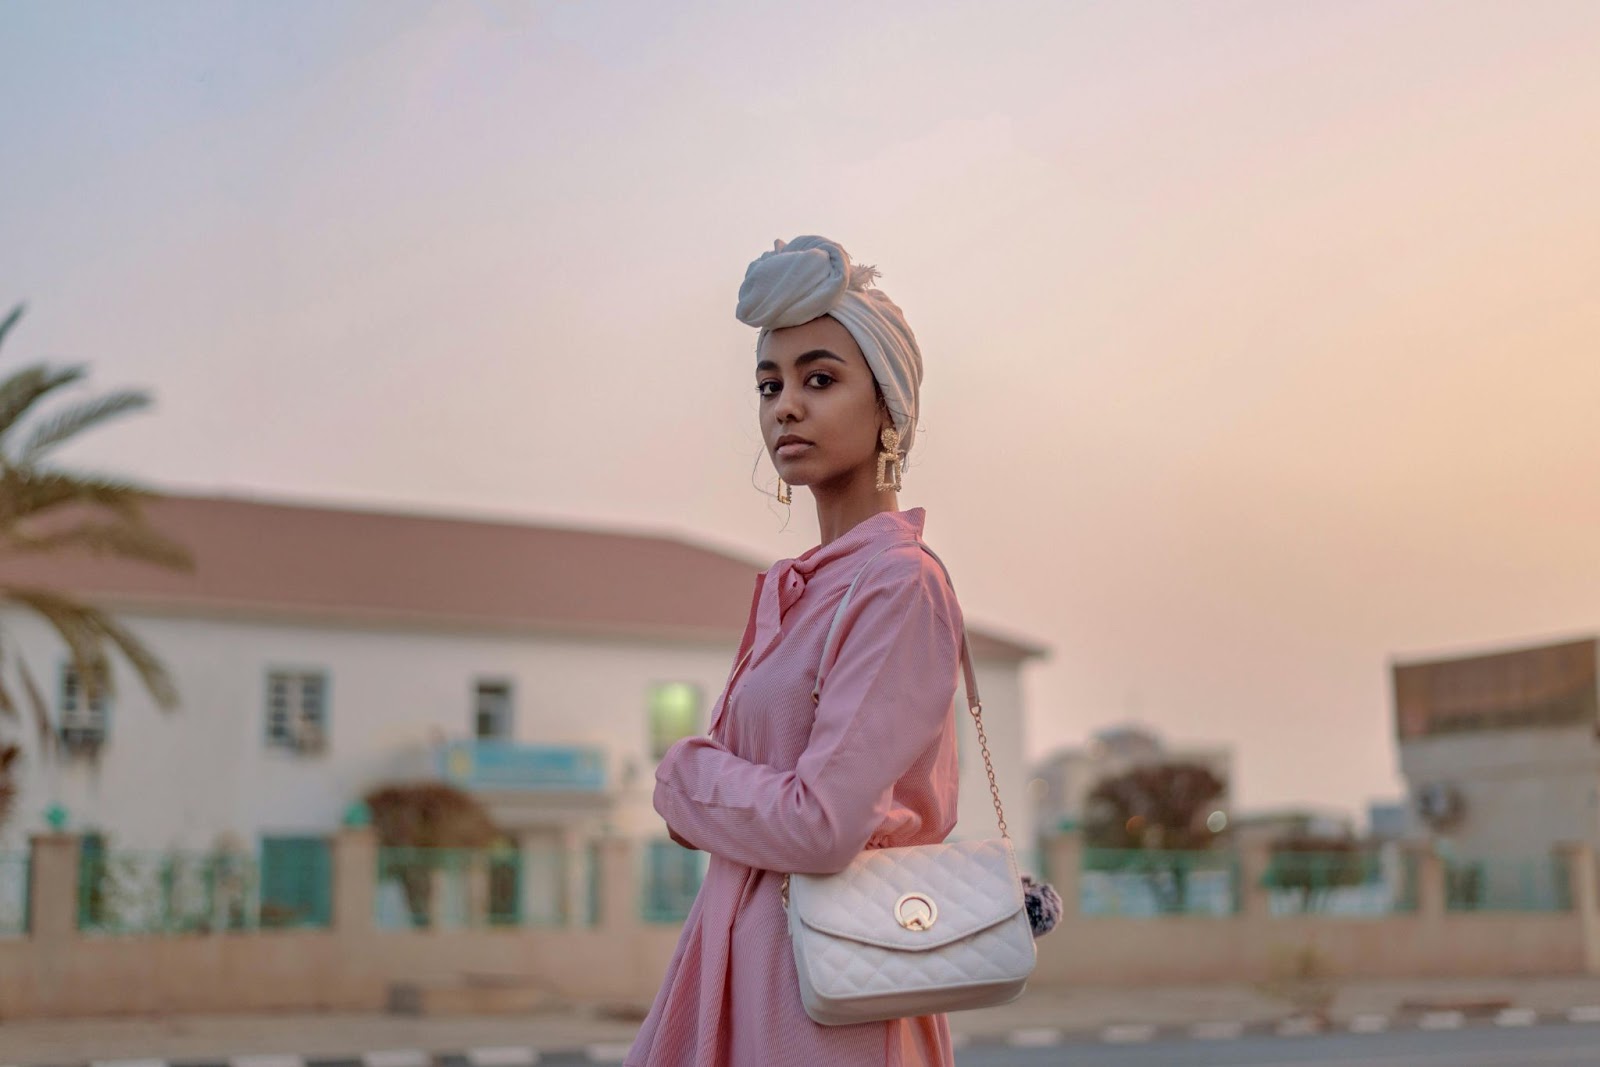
(916, 911)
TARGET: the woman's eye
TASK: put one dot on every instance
(770, 387)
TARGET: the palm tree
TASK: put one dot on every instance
(45, 508)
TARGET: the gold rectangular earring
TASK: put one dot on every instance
(889, 459)
(784, 496)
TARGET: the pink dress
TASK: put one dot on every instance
(782, 784)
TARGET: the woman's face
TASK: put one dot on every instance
(820, 415)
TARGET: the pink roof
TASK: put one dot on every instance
(259, 558)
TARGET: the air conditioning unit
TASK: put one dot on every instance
(1440, 805)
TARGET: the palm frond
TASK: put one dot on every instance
(8, 784)
(41, 710)
(27, 493)
(85, 630)
(8, 704)
(121, 540)
(157, 681)
(79, 633)
(23, 389)
(10, 321)
(74, 420)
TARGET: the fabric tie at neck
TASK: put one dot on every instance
(785, 583)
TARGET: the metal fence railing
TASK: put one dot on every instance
(1531, 884)
(14, 869)
(124, 892)
(288, 884)
(506, 887)
(1356, 882)
(670, 877)
(1151, 882)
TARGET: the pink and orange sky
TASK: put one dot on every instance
(1262, 339)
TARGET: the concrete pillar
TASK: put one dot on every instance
(355, 880)
(1063, 859)
(1431, 900)
(1580, 859)
(619, 885)
(575, 870)
(53, 887)
(544, 877)
(440, 894)
(477, 889)
(1255, 899)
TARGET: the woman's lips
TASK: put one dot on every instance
(793, 449)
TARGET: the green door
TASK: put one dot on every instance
(296, 881)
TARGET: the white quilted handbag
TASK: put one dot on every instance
(915, 930)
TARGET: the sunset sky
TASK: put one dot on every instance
(1262, 340)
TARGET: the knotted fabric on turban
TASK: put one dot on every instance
(812, 276)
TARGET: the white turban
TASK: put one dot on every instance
(812, 276)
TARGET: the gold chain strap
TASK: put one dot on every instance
(988, 765)
(976, 711)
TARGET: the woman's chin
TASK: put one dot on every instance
(794, 473)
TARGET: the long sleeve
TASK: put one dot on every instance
(883, 702)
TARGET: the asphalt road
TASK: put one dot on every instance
(1535, 1046)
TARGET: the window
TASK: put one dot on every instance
(297, 710)
(674, 714)
(492, 715)
(83, 721)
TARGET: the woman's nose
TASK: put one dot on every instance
(789, 406)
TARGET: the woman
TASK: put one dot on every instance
(782, 783)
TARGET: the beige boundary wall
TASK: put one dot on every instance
(57, 972)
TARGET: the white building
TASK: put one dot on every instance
(1501, 750)
(320, 651)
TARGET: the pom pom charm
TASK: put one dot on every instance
(1043, 904)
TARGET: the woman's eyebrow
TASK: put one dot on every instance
(804, 358)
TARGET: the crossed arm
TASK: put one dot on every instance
(884, 701)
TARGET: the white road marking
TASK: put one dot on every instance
(1369, 1024)
(129, 1063)
(397, 1057)
(1441, 1020)
(612, 1053)
(1216, 1031)
(1298, 1027)
(1516, 1017)
(268, 1060)
(502, 1057)
(1036, 1037)
(1128, 1033)
(1584, 1015)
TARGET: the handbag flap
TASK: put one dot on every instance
(964, 887)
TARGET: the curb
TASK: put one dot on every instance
(1032, 1037)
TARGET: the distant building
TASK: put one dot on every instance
(320, 651)
(1063, 782)
(1391, 821)
(1500, 750)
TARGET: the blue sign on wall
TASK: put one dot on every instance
(507, 765)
